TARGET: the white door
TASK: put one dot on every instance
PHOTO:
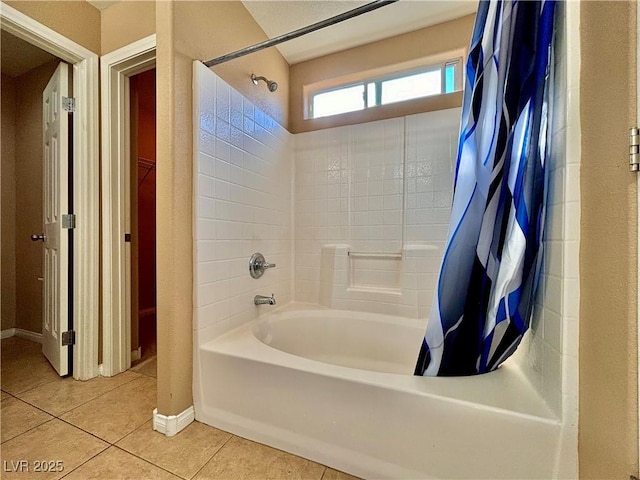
(56, 238)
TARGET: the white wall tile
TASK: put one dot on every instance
(241, 206)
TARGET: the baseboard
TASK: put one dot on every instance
(172, 424)
(22, 333)
(136, 354)
(8, 333)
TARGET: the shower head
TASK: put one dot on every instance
(271, 85)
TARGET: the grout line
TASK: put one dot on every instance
(86, 431)
(26, 431)
(81, 404)
(231, 435)
(86, 461)
(147, 461)
(323, 472)
(34, 387)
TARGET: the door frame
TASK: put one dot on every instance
(116, 69)
(85, 180)
(638, 215)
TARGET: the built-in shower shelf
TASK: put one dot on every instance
(397, 256)
(374, 289)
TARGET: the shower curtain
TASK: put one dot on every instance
(484, 298)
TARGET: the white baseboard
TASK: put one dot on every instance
(172, 424)
(136, 354)
(9, 332)
(22, 333)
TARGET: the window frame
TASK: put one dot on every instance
(378, 80)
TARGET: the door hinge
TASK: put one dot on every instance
(68, 338)
(634, 149)
(69, 104)
(69, 221)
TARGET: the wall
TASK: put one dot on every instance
(143, 215)
(189, 31)
(383, 187)
(243, 194)
(125, 22)
(608, 441)
(146, 181)
(8, 202)
(77, 20)
(430, 42)
(29, 88)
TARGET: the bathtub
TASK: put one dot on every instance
(337, 387)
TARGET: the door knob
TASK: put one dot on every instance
(38, 238)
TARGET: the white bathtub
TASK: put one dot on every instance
(337, 387)
(366, 341)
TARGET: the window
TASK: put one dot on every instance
(434, 80)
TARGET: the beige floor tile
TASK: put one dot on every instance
(243, 459)
(18, 417)
(148, 367)
(51, 441)
(183, 454)
(118, 412)
(114, 464)
(4, 395)
(23, 366)
(331, 474)
(13, 345)
(67, 394)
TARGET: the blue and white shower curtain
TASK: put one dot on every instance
(488, 277)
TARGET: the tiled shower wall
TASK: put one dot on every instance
(375, 189)
(549, 355)
(380, 187)
(242, 204)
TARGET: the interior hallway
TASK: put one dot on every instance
(102, 429)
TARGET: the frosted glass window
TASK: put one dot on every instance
(412, 86)
(398, 87)
(371, 94)
(344, 100)
(449, 79)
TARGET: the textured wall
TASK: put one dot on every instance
(406, 51)
(8, 202)
(125, 22)
(77, 20)
(190, 31)
(608, 441)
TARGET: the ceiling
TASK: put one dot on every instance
(18, 57)
(102, 4)
(279, 17)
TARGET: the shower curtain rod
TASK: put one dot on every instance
(300, 32)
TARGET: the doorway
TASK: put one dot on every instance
(37, 292)
(84, 292)
(143, 217)
(121, 311)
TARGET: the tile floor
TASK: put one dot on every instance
(101, 429)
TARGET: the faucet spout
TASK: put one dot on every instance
(262, 300)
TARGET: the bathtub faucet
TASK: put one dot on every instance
(262, 300)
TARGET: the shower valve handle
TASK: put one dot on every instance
(257, 265)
